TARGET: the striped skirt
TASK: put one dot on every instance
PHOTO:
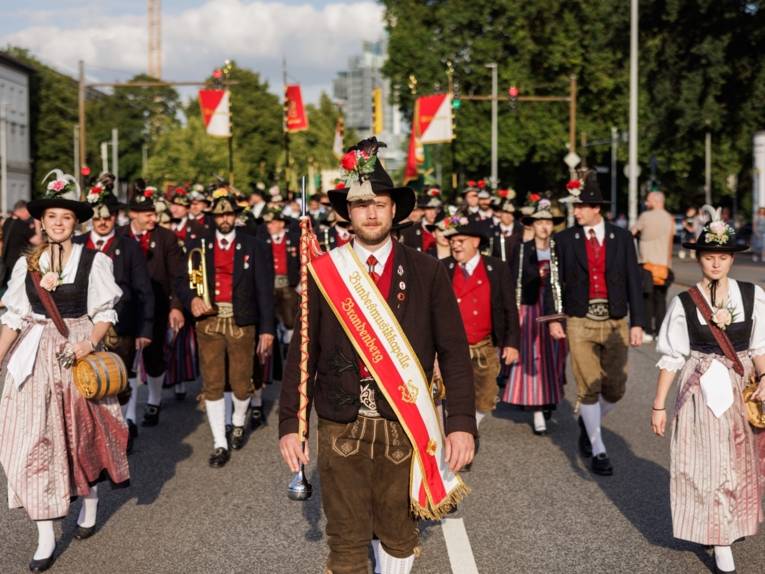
(716, 475)
(55, 444)
(537, 378)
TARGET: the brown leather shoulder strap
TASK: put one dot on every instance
(50, 305)
(719, 334)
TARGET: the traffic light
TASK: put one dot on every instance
(377, 111)
(513, 93)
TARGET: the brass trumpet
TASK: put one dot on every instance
(198, 274)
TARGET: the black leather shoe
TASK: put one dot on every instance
(82, 533)
(180, 396)
(229, 430)
(219, 458)
(132, 433)
(257, 417)
(718, 571)
(44, 564)
(238, 438)
(542, 432)
(150, 415)
(585, 447)
(601, 465)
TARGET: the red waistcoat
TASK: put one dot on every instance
(428, 239)
(279, 251)
(474, 299)
(596, 264)
(224, 274)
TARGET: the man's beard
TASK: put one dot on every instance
(373, 236)
(224, 228)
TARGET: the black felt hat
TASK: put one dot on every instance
(471, 228)
(365, 153)
(585, 189)
(716, 236)
(63, 192)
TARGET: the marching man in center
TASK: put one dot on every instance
(379, 313)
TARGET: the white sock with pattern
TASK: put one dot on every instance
(479, 416)
(724, 559)
(605, 407)
(88, 510)
(257, 398)
(180, 388)
(539, 421)
(392, 565)
(128, 411)
(228, 398)
(155, 390)
(240, 410)
(591, 417)
(46, 539)
(376, 550)
(216, 417)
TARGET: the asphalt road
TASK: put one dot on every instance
(535, 507)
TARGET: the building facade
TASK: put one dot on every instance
(352, 89)
(14, 129)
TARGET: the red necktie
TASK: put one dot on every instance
(100, 244)
(372, 263)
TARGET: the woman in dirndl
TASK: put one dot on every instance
(54, 444)
(535, 382)
(717, 479)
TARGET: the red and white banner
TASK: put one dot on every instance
(215, 112)
(416, 154)
(379, 340)
(434, 114)
(295, 118)
(337, 144)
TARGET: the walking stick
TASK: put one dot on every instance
(299, 487)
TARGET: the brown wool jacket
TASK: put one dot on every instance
(422, 300)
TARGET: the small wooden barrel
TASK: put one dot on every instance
(100, 375)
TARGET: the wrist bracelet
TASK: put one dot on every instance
(655, 409)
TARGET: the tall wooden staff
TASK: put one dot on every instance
(300, 488)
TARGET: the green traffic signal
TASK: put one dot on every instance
(456, 103)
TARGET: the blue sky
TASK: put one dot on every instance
(317, 37)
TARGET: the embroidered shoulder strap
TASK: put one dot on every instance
(719, 334)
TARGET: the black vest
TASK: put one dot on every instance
(70, 298)
(701, 337)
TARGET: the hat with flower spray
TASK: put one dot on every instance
(61, 191)
(716, 236)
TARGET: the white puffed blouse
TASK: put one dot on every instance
(674, 344)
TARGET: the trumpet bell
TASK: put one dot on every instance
(299, 488)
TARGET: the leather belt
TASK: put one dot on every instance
(597, 310)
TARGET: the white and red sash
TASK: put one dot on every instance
(379, 340)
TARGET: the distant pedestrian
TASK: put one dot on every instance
(19, 233)
(691, 227)
(656, 229)
(758, 236)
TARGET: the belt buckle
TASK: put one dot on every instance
(281, 281)
(225, 310)
(597, 310)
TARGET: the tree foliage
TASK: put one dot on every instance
(701, 67)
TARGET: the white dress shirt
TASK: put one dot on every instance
(472, 264)
(229, 237)
(381, 254)
(600, 230)
(95, 237)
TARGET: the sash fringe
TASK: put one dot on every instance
(446, 506)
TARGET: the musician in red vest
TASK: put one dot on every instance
(372, 427)
(135, 309)
(238, 326)
(600, 283)
(420, 235)
(199, 205)
(186, 228)
(483, 286)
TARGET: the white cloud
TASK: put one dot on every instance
(316, 41)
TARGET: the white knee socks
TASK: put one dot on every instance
(724, 559)
(180, 388)
(228, 398)
(539, 421)
(46, 539)
(240, 410)
(392, 565)
(591, 415)
(87, 516)
(605, 407)
(216, 417)
(155, 390)
(479, 416)
(128, 411)
(257, 398)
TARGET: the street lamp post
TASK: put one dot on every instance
(494, 126)
(633, 119)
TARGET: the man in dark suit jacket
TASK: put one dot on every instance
(420, 235)
(506, 235)
(167, 271)
(484, 289)
(353, 413)
(240, 278)
(135, 309)
(600, 282)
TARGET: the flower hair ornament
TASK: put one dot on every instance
(358, 165)
(716, 231)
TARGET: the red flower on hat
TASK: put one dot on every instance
(502, 193)
(340, 185)
(349, 161)
(434, 192)
(180, 191)
(96, 189)
(148, 192)
(573, 184)
(481, 183)
(471, 183)
(535, 197)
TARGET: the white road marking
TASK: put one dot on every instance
(458, 546)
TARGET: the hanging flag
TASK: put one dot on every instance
(435, 118)
(295, 118)
(215, 112)
(416, 155)
(337, 145)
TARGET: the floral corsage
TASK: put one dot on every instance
(723, 316)
(50, 281)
